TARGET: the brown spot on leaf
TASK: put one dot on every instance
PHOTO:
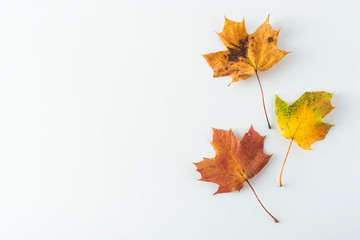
(233, 56)
(270, 39)
(239, 50)
(241, 75)
(226, 68)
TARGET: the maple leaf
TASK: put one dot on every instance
(235, 162)
(246, 54)
(302, 121)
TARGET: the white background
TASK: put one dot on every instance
(105, 105)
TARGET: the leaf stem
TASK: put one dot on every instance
(262, 95)
(285, 161)
(261, 203)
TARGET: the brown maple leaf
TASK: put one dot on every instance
(235, 162)
(246, 54)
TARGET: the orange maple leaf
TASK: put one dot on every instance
(235, 162)
(246, 54)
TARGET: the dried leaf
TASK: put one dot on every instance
(235, 162)
(245, 53)
(302, 121)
